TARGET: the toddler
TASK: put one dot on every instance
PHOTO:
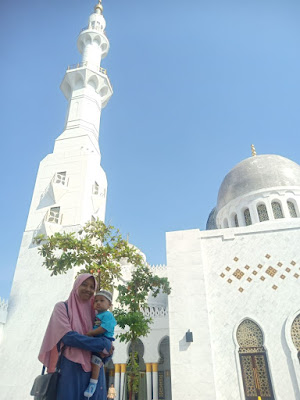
(103, 326)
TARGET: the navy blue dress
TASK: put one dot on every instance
(74, 380)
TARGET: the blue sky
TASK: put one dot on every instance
(195, 83)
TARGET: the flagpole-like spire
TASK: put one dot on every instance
(253, 151)
(99, 7)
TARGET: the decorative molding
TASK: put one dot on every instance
(156, 312)
(158, 266)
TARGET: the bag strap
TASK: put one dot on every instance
(60, 349)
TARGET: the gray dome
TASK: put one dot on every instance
(258, 172)
(211, 221)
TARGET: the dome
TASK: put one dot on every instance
(256, 173)
(211, 221)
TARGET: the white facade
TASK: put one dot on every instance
(243, 272)
(232, 281)
(70, 189)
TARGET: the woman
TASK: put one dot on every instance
(69, 325)
(111, 392)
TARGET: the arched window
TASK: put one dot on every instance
(247, 217)
(277, 210)
(262, 213)
(292, 209)
(254, 363)
(236, 221)
(225, 223)
(295, 333)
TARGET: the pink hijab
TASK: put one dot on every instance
(80, 319)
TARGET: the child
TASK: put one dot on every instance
(104, 326)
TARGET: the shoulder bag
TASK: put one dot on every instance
(45, 385)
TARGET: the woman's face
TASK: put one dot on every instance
(86, 289)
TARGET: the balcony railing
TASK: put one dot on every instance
(85, 64)
(93, 28)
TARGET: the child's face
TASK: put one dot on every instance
(101, 303)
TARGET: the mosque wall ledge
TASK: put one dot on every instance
(261, 227)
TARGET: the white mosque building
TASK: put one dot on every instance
(230, 330)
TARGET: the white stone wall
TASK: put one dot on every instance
(33, 295)
(191, 363)
(271, 301)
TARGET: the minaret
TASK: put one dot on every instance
(70, 189)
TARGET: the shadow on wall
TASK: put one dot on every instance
(287, 352)
(183, 344)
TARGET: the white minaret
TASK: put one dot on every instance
(70, 189)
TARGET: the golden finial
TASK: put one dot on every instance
(99, 7)
(253, 151)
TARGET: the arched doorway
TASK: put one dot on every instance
(254, 363)
(164, 370)
(142, 394)
(295, 333)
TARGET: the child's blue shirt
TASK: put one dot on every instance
(107, 321)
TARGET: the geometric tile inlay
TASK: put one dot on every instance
(271, 271)
(238, 274)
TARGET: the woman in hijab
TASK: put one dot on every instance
(69, 323)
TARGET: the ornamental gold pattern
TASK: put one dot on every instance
(249, 337)
(248, 376)
(262, 375)
(254, 364)
(241, 275)
(295, 332)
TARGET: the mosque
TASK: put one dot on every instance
(230, 330)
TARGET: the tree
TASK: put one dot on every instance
(99, 249)
(130, 314)
(96, 248)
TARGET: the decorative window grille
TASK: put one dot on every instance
(53, 215)
(60, 178)
(254, 363)
(262, 213)
(295, 333)
(247, 216)
(292, 209)
(277, 210)
(95, 188)
(236, 221)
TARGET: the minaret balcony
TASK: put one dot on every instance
(84, 64)
(94, 37)
(85, 75)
